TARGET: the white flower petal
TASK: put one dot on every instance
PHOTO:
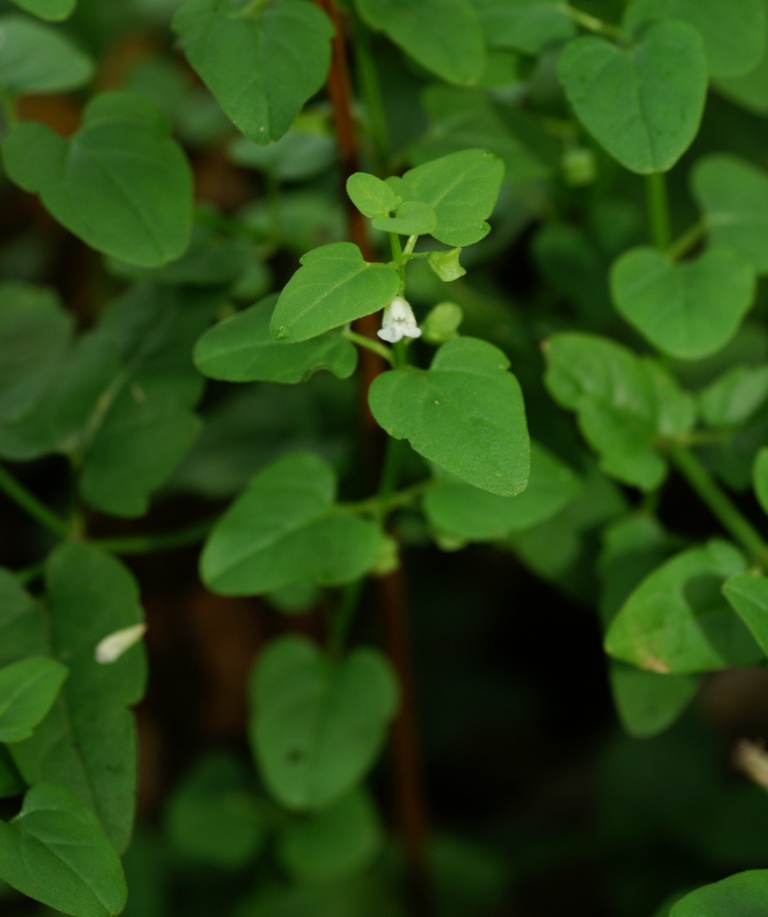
(115, 644)
(398, 321)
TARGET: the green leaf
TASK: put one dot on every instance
(412, 218)
(734, 197)
(261, 62)
(283, 530)
(120, 183)
(444, 36)
(212, 818)
(525, 25)
(744, 894)
(317, 726)
(34, 335)
(242, 349)
(676, 621)
(648, 703)
(337, 842)
(463, 511)
(760, 478)
(748, 596)
(624, 404)
(55, 851)
(372, 196)
(53, 10)
(87, 741)
(750, 91)
(446, 264)
(28, 688)
(465, 413)
(734, 35)
(643, 104)
(735, 396)
(301, 153)
(11, 783)
(36, 58)
(688, 310)
(461, 188)
(334, 286)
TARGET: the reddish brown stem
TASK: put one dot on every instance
(406, 759)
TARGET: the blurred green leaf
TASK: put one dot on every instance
(318, 725)
(748, 596)
(525, 25)
(28, 688)
(55, 851)
(242, 349)
(296, 156)
(48, 9)
(37, 58)
(465, 413)
(734, 397)
(688, 310)
(283, 529)
(643, 104)
(744, 894)
(261, 62)
(11, 783)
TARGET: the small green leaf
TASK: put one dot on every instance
(748, 596)
(733, 34)
(317, 725)
(624, 404)
(677, 621)
(735, 396)
(283, 530)
(458, 509)
(688, 310)
(465, 413)
(644, 104)
(242, 349)
(525, 25)
(412, 218)
(120, 183)
(55, 851)
(53, 10)
(744, 894)
(734, 197)
(760, 478)
(36, 58)
(334, 843)
(461, 188)
(372, 196)
(27, 690)
(262, 63)
(444, 36)
(87, 741)
(334, 286)
(212, 818)
(446, 265)
(648, 703)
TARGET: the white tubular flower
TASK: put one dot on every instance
(115, 644)
(398, 322)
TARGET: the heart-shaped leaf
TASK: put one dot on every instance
(444, 36)
(242, 349)
(36, 58)
(677, 621)
(687, 310)
(733, 34)
(734, 197)
(461, 188)
(262, 62)
(283, 530)
(317, 725)
(55, 851)
(334, 285)
(120, 183)
(27, 690)
(465, 413)
(643, 104)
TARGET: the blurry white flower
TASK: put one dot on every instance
(114, 645)
(398, 322)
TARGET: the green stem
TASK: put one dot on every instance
(374, 102)
(362, 341)
(28, 502)
(343, 616)
(684, 243)
(142, 544)
(592, 23)
(658, 210)
(719, 502)
(397, 257)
